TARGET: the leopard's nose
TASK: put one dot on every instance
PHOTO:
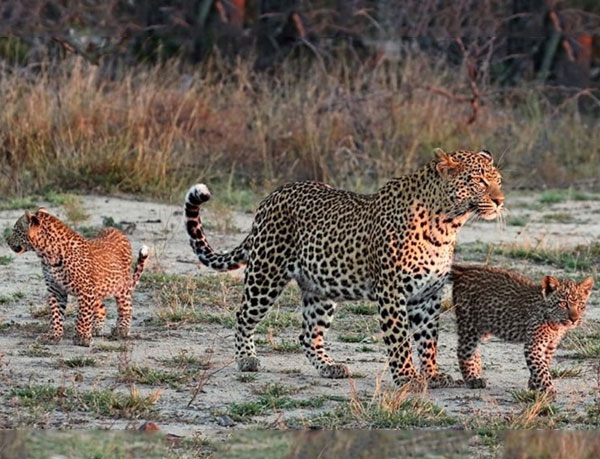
(498, 200)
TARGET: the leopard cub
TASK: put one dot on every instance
(490, 301)
(90, 269)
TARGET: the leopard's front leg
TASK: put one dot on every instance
(536, 345)
(424, 317)
(393, 317)
(58, 304)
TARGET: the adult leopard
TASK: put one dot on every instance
(394, 247)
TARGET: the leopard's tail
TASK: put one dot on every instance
(196, 196)
(140, 265)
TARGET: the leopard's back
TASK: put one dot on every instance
(110, 259)
(495, 301)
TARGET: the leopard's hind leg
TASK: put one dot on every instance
(125, 314)
(88, 304)
(263, 282)
(317, 315)
(99, 319)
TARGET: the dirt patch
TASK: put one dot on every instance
(178, 371)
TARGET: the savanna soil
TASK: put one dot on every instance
(182, 346)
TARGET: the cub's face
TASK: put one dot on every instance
(471, 182)
(566, 300)
(18, 239)
(32, 232)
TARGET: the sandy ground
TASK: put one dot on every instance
(178, 411)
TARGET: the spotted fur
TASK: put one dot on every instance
(491, 301)
(394, 247)
(89, 269)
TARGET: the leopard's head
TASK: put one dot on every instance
(43, 230)
(18, 239)
(470, 182)
(565, 300)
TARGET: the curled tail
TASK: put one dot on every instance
(140, 265)
(238, 257)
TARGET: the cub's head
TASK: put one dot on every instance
(30, 231)
(18, 239)
(471, 183)
(565, 300)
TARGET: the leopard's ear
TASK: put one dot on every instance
(587, 285)
(485, 154)
(549, 284)
(446, 165)
(33, 219)
(42, 210)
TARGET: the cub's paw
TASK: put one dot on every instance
(82, 340)
(475, 383)
(119, 333)
(48, 338)
(335, 371)
(248, 364)
(442, 380)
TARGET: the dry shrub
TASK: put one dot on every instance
(551, 444)
(155, 130)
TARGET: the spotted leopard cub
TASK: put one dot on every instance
(91, 269)
(490, 301)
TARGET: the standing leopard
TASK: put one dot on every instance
(491, 301)
(394, 247)
(89, 269)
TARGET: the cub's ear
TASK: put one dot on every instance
(485, 154)
(587, 284)
(446, 165)
(33, 219)
(549, 284)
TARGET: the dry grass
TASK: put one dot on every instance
(156, 130)
(555, 445)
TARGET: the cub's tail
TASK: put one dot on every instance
(140, 265)
(197, 195)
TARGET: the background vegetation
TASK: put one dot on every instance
(150, 96)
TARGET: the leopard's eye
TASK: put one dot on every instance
(479, 180)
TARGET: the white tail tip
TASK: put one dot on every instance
(145, 251)
(199, 191)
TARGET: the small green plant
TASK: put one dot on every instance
(271, 397)
(119, 405)
(287, 346)
(386, 409)
(151, 376)
(36, 350)
(517, 221)
(17, 203)
(6, 260)
(554, 196)
(78, 362)
(365, 349)
(558, 217)
(564, 373)
(246, 377)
